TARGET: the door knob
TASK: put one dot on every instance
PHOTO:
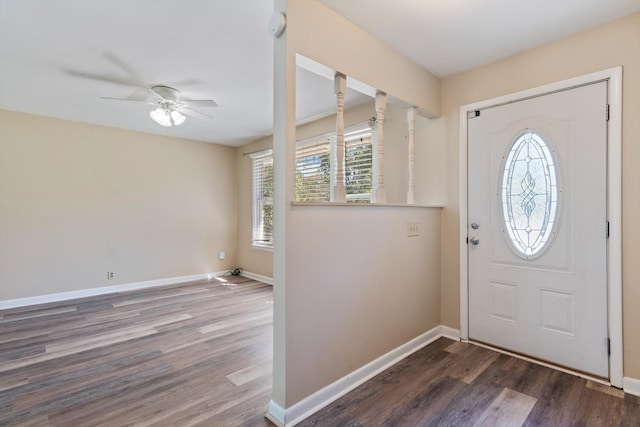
(474, 241)
(475, 225)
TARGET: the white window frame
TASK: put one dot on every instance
(258, 238)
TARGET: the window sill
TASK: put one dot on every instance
(262, 247)
(362, 205)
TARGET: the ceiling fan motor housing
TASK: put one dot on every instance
(168, 94)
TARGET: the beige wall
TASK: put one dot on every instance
(336, 268)
(357, 288)
(608, 46)
(429, 151)
(78, 200)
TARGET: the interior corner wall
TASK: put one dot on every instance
(78, 200)
(608, 46)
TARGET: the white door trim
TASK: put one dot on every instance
(614, 208)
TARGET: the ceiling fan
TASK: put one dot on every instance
(171, 107)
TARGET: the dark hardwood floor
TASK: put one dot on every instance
(200, 353)
(450, 383)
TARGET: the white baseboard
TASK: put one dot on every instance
(82, 293)
(323, 397)
(258, 277)
(276, 414)
(631, 385)
(451, 333)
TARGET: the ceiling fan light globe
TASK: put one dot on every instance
(160, 116)
(177, 118)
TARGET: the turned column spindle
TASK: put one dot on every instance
(339, 189)
(379, 194)
(411, 122)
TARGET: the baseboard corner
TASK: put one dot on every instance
(631, 385)
(276, 414)
(449, 332)
(258, 277)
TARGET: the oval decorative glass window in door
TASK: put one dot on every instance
(529, 194)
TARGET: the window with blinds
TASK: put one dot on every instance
(262, 171)
(315, 166)
(358, 164)
(313, 170)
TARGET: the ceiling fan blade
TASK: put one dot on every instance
(193, 113)
(130, 100)
(199, 102)
(143, 93)
(102, 78)
(119, 62)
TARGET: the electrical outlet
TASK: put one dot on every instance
(412, 229)
(110, 275)
(221, 255)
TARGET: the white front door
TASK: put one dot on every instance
(537, 211)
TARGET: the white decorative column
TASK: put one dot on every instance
(339, 88)
(411, 122)
(379, 194)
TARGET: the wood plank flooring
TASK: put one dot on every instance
(195, 354)
(451, 383)
(200, 354)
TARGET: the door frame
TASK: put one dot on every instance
(614, 203)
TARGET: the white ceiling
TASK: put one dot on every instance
(450, 36)
(57, 58)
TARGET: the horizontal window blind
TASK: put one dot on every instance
(313, 170)
(316, 163)
(262, 170)
(358, 174)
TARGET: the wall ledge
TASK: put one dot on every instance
(361, 205)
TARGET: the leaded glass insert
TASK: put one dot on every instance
(529, 194)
